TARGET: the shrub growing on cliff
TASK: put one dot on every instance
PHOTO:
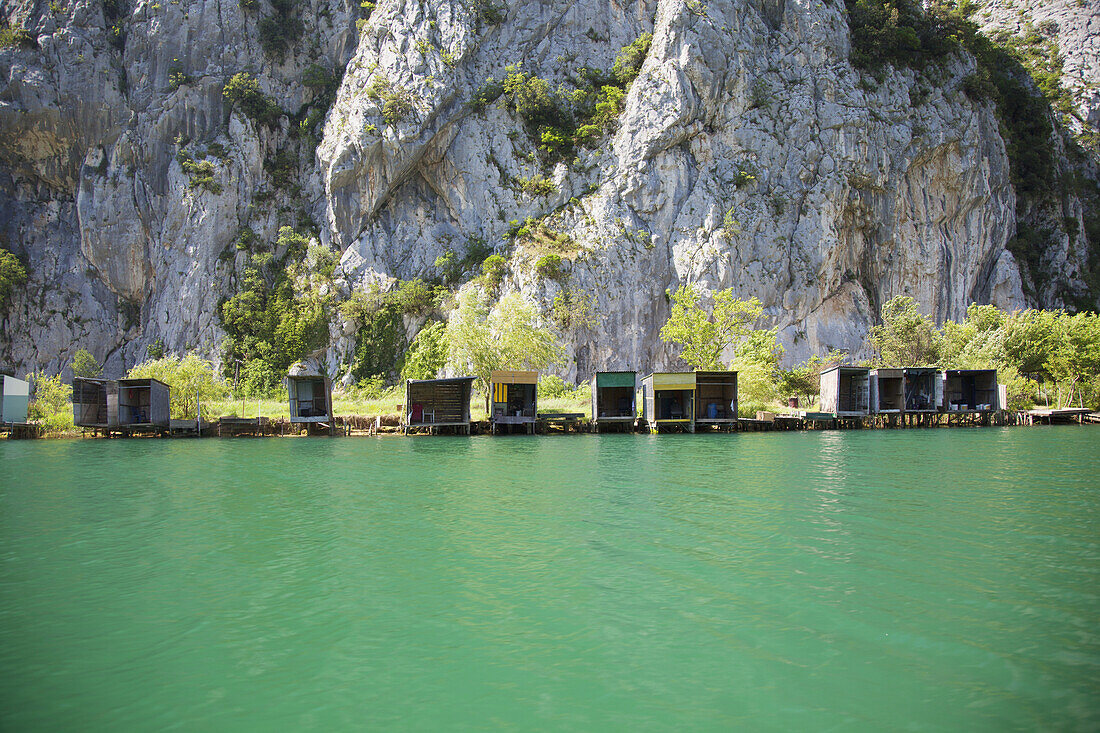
(537, 186)
(280, 31)
(378, 316)
(630, 59)
(12, 275)
(16, 37)
(493, 270)
(549, 266)
(200, 174)
(395, 101)
(243, 91)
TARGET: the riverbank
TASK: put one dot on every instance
(567, 423)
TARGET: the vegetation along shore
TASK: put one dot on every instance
(1046, 360)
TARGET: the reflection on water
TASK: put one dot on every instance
(869, 579)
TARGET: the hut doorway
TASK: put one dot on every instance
(715, 397)
(922, 390)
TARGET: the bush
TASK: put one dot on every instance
(630, 59)
(16, 37)
(493, 269)
(258, 379)
(549, 266)
(537, 186)
(85, 365)
(243, 91)
(200, 174)
(155, 350)
(51, 398)
(486, 94)
(551, 386)
(282, 168)
(395, 101)
(749, 409)
(368, 388)
(489, 12)
(415, 297)
(427, 355)
(177, 77)
(322, 260)
(572, 309)
(12, 275)
(267, 319)
(189, 378)
(279, 33)
(379, 342)
(317, 77)
(532, 98)
(609, 106)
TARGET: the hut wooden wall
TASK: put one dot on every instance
(448, 401)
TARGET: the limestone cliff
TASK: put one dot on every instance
(749, 153)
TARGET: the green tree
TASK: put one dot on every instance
(757, 366)
(428, 353)
(509, 336)
(1075, 357)
(243, 91)
(12, 275)
(275, 317)
(189, 378)
(705, 335)
(85, 365)
(804, 380)
(906, 336)
(630, 59)
(1030, 339)
(51, 403)
(493, 270)
(977, 342)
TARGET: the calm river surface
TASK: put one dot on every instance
(919, 579)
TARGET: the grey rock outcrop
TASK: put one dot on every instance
(750, 154)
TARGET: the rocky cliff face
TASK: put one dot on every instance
(749, 154)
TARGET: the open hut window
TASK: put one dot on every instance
(133, 405)
(616, 401)
(853, 394)
(920, 391)
(673, 404)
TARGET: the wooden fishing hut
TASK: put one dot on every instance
(923, 389)
(715, 399)
(971, 390)
(310, 401)
(887, 391)
(669, 401)
(513, 399)
(15, 395)
(437, 403)
(95, 403)
(846, 391)
(143, 406)
(614, 400)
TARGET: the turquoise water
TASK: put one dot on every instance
(920, 579)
